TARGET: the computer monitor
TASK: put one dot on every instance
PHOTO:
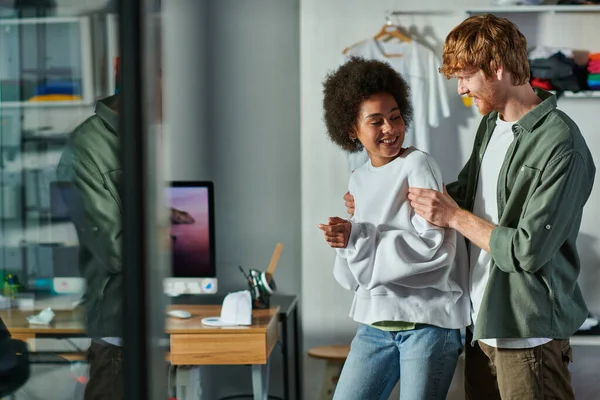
(192, 238)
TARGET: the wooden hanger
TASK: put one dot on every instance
(389, 29)
(351, 46)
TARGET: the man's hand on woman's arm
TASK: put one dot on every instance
(349, 201)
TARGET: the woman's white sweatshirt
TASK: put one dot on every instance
(401, 267)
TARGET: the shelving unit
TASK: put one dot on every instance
(534, 9)
(518, 9)
(38, 51)
(504, 10)
(585, 340)
(44, 37)
(584, 94)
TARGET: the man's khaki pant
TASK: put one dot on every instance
(538, 373)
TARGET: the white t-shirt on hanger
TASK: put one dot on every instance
(419, 66)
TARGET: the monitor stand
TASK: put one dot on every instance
(178, 286)
(68, 285)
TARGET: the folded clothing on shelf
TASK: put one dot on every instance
(578, 2)
(55, 97)
(545, 84)
(516, 2)
(563, 72)
(59, 87)
(594, 83)
(593, 66)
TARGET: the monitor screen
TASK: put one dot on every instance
(192, 229)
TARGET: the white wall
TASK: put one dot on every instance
(254, 129)
(185, 92)
(326, 29)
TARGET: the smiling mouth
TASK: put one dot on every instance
(389, 140)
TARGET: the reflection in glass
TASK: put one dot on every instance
(61, 197)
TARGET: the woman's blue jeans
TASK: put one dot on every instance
(424, 359)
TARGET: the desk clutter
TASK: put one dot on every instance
(237, 306)
(236, 310)
(261, 284)
(564, 69)
(43, 318)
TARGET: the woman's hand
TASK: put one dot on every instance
(337, 232)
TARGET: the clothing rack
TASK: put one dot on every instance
(424, 12)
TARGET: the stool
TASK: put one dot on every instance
(335, 357)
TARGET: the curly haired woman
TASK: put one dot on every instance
(409, 277)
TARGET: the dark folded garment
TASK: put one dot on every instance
(580, 2)
(562, 71)
(557, 66)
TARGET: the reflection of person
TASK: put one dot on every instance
(410, 296)
(519, 200)
(90, 178)
(89, 173)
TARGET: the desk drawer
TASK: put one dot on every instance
(212, 349)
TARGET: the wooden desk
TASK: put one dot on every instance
(195, 344)
(191, 343)
(288, 320)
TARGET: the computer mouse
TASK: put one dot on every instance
(179, 314)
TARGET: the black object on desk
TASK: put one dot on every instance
(288, 306)
(14, 362)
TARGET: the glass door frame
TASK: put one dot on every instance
(145, 369)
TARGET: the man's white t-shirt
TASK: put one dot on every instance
(486, 207)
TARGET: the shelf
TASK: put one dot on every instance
(585, 340)
(584, 94)
(50, 71)
(28, 104)
(504, 10)
(534, 9)
(40, 20)
(55, 138)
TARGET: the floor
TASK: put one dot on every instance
(61, 382)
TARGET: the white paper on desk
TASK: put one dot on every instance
(43, 318)
(236, 310)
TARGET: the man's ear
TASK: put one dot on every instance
(500, 75)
